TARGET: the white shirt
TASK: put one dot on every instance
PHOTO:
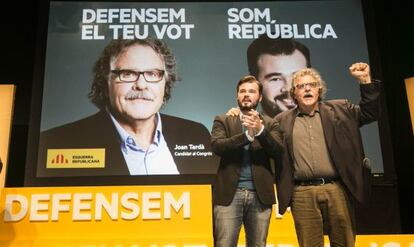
(157, 160)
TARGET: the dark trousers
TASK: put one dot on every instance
(328, 207)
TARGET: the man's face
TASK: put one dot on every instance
(141, 99)
(275, 73)
(248, 96)
(307, 92)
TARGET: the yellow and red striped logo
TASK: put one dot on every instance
(76, 158)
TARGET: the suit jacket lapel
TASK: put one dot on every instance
(233, 125)
(170, 136)
(236, 124)
(116, 164)
(288, 130)
(329, 121)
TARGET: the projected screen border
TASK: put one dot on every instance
(349, 46)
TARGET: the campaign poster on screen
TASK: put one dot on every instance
(85, 123)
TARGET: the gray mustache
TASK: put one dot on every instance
(139, 95)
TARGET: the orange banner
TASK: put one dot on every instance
(140, 215)
(133, 216)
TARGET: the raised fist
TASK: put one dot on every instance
(361, 72)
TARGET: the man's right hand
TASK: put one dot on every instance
(252, 122)
(233, 112)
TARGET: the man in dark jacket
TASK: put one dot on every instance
(244, 188)
(323, 167)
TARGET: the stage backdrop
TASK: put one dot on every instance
(209, 41)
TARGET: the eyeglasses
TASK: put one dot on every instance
(126, 75)
(313, 84)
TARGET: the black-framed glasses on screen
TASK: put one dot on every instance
(126, 75)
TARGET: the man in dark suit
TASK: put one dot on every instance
(128, 136)
(244, 191)
(323, 168)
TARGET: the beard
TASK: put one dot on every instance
(248, 107)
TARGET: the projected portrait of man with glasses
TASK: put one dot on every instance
(132, 81)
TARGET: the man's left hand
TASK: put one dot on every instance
(361, 72)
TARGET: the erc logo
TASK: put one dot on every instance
(60, 159)
(76, 158)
